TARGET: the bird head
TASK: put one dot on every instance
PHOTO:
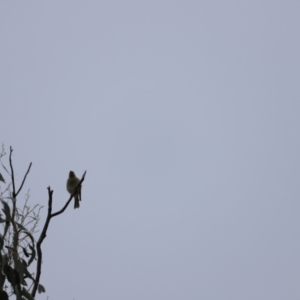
(71, 174)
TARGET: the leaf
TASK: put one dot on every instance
(6, 228)
(25, 251)
(2, 280)
(28, 275)
(26, 294)
(20, 268)
(1, 242)
(3, 262)
(32, 254)
(3, 295)
(41, 289)
(1, 178)
(6, 210)
(31, 246)
(16, 238)
(10, 274)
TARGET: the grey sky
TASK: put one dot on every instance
(186, 116)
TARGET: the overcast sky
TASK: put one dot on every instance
(185, 115)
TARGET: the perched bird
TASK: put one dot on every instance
(72, 184)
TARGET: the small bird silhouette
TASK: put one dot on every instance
(72, 184)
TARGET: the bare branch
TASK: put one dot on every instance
(12, 172)
(39, 243)
(19, 190)
(44, 232)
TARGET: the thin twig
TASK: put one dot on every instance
(3, 153)
(15, 229)
(12, 172)
(19, 190)
(6, 189)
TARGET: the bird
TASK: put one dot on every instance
(72, 184)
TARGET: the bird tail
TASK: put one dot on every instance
(76, 202)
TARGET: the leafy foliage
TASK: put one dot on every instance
(17, 243)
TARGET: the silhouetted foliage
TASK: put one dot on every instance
(18, 249)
